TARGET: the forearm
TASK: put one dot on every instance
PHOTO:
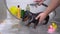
(52, 6)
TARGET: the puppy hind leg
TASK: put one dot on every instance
(46, 20)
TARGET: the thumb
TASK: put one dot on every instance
(37, 17)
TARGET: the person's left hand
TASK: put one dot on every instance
(39, 1)
(41, 17)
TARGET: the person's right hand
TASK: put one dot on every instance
(39, 1)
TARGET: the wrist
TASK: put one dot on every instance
(46, 12)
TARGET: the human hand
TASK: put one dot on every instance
(41, 17)
(39, 1)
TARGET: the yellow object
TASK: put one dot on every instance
(19, 13)
(54, 25)
(13, 10)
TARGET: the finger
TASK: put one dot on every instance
(41, 2)
(37, 16)
(37, 0)
(40, 20)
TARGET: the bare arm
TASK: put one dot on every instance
(52, 6)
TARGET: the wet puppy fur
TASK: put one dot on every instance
(31, 18)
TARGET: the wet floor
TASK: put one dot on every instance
(13, 26)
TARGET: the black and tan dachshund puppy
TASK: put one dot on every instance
(31, 18)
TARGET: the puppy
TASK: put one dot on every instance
(31, 18)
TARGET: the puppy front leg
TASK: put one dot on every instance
(28, 24)
(35, 24)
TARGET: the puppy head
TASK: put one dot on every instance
(25, 16)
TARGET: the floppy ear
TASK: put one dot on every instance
(25, 19)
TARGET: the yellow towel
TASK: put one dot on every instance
(13, 10)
